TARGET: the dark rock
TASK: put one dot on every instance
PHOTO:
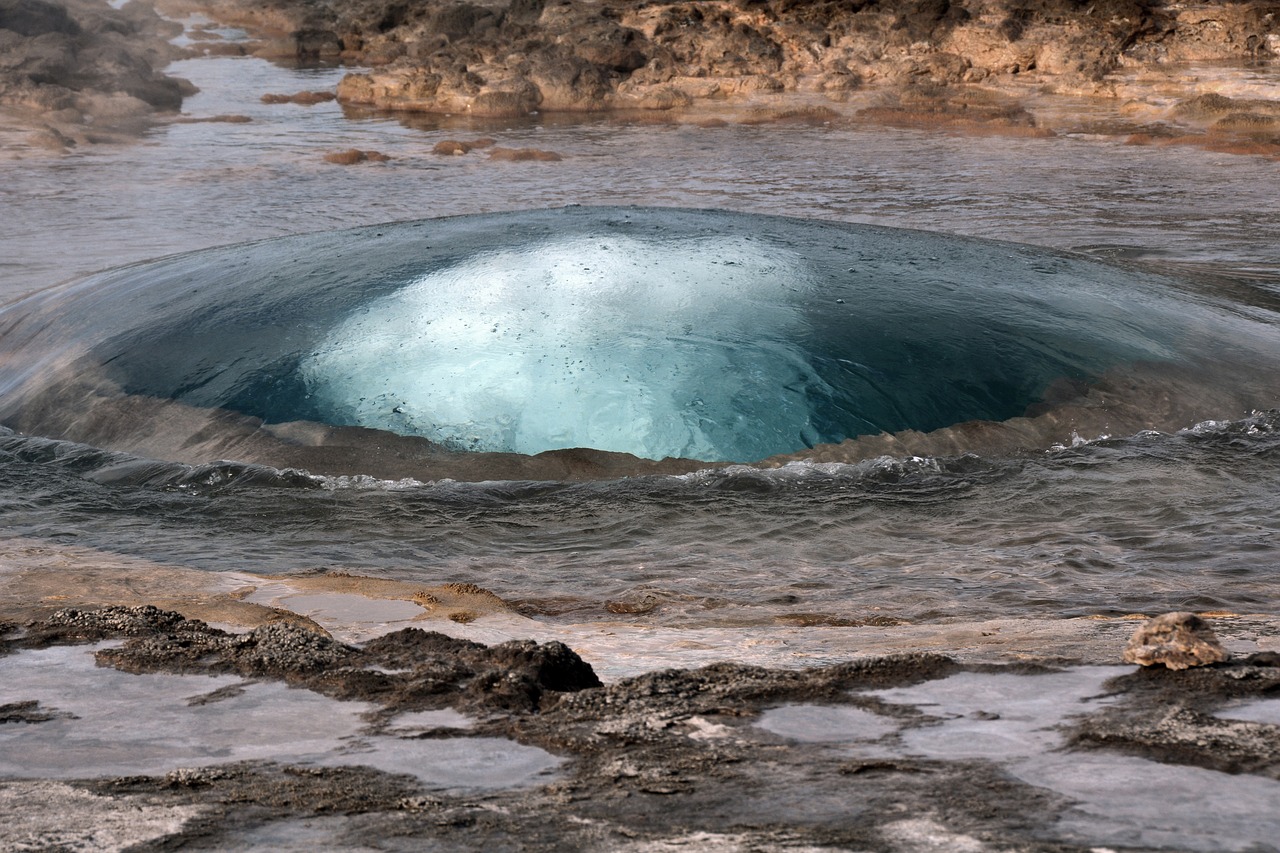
(315, 45)
(29, 712)
(106, 623)
(279, 650)
(35, 18)
(460, 20)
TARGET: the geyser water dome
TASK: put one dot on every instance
(653, 332)
(686, 347)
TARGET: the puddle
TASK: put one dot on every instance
(425, 721)
(1118, 800)
(347, 616)
(1134, 802)
(1257, 711)
(824, 723)
(462, 762)
(109, 723)
(998, 716)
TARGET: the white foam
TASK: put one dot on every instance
(44, 815)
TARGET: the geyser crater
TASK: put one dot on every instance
(705, 335)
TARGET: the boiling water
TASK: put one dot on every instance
(1162, 498)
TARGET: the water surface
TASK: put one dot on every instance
(1108, 520)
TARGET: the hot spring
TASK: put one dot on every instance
(597, 342)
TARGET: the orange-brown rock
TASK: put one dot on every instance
(1176, 641)
(509, 58)
(449, 147)
(515, 155)
(352, 156)
(305, 99)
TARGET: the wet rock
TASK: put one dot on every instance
(313, 45)
(1173, 716)
(1190, 737)
(87, 64)
(288, 789)
(105, 623)
(505, 59)
(352, 156)
(29, 712)
(280, 650)
(305, 99)
(1176, 641)
(520, 155)
(449, 147)
(426, 669)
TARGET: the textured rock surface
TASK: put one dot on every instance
(500, 58)
(82, 71)
(423, 669)
(668, 760)
(1176, 641)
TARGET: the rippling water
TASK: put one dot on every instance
(1137, 521)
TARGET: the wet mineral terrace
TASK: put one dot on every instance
(151, 731)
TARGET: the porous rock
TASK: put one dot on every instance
(1176, 641)
(82, 63)
(447, 56)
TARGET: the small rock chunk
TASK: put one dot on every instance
(1176, 640)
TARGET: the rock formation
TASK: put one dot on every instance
(81, 71)
(1176, 640)
(511, 57)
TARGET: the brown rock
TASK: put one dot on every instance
(1176, 640)
(305, 99)
(78, 62)
(354, 155)
(506, 104)
(523, 154)
(221, 118)
(478, 58)
(448, 147)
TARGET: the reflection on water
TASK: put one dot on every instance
(195, 185)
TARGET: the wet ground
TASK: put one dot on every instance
(418, 741)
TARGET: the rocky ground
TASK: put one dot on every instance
(668, 760)
(80, 71)
(966, 63)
